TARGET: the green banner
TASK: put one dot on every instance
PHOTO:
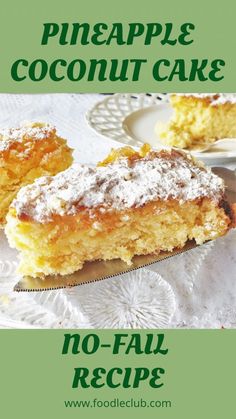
(87, 46)
(90, 374)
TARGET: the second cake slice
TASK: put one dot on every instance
(27, 153)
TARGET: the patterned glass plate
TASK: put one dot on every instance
(141, 299)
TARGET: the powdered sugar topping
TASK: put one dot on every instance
(216, 98)
(117, 186)
(33, 131)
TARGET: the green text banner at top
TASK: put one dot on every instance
(107, 46)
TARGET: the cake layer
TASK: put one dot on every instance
(27, 153)
(64, 245)
(132, 204)
(199, 119)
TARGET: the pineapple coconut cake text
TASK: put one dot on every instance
(132, 203)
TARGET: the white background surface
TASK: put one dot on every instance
(199, 286)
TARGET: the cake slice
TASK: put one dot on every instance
(199, 119)
(27, 153)
(133, 203)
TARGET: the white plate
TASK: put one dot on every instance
(131, 118)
